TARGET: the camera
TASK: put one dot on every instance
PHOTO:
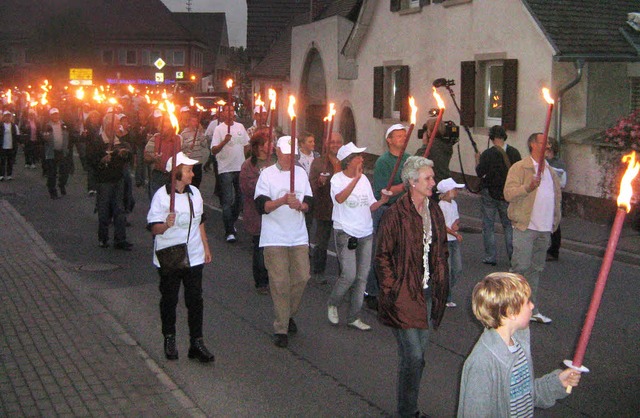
(451, 132)
(352, 243)
(443, 82)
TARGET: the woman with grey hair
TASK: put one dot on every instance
(411, 263)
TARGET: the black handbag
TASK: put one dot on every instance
(176, 257)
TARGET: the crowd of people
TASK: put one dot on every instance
(397, 239)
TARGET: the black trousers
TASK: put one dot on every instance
(7, 159)
(169, 291)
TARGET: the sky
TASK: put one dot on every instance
(236, 11)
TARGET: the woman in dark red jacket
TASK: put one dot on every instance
(411, 263)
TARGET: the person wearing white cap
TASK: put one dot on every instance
(57, 153)
(259, 120)
(9, 145)
(186, 225)
(395, 137)
(185, 114)
(229, 149)
(284, 236)
(448, 191)
(353, 202)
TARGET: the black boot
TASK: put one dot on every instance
(199, 351)
(170, 349)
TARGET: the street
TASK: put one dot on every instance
(328, 371)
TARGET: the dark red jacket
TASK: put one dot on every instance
(400, 269)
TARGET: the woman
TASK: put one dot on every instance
(411, 263)
(91, 135)
(353, 203)
(249, 173)
(185, 225)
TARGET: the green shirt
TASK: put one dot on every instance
(382, 171)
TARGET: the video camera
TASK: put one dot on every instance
(443, 82)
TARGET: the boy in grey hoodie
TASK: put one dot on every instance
(497, 377)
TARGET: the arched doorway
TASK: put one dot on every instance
(313, 96)
(348, 126)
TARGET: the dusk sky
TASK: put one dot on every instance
(236, 11)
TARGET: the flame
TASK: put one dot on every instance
(191, 101)
(547, 95)
(626, 191)
(200, 108)
(292, 112)
(28, 97)
(9, 96)
(112, 100)
(332, 111)
(272, 99)
(80, 93)
(229, 83)
(33, 104)
(414, 109)
(146, 96)
(221, 103)
(171, 109)
(164, 95)
(130, 88)
(259, 101)
(438, 98)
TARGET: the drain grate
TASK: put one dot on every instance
(97, 267)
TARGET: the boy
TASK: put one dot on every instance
(448, 190)
(497, 377)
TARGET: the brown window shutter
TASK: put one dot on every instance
(378, 92)
(394, 5)
(403, 93)
(424, 2)
(510, 95)
(468, 93)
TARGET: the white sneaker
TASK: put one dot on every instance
(231, 238)
(451, 305)
(33, 166)
(540, 318)
(333, 315)
(358, 324)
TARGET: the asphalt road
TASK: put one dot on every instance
(329, 371)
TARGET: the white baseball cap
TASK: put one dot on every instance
(448, 184)
(259, 109)
(157, 113)
(53, 110)
(181, 159)
(284, 144)
(6, 112)
(185, 109)
(348, 149)
(396, 127)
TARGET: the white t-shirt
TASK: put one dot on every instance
(450, 212)
(8, 137)
(177, 234)
(544, 205)
(231, 157)
(208, 133)
(353, 216)
(284, 226)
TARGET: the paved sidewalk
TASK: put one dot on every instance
(61, 352)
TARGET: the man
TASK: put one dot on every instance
(307, 151)
(322, 169)
(441, 149)
(492, 167)
(395, 137)
(259, 120)
(229, 144)
(195, 146)
(284, 236)
(56, 154)
(534, 210)
(9, 146)
(157, 152)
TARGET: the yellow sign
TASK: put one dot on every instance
(179, 75)
(159, 77)
(159, 63)
(80, 74)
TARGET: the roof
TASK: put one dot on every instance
(207, 27)
(348, 9)
(588, 29)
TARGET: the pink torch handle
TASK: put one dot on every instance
(545, 139)
(427, 151)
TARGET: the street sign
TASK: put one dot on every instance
(159, 77)
(159, 63)
(80, 76)
(179, 75)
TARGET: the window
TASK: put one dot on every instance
(148, 57)
(175, 58)
(489, 93)
(7, 56)
(399, 5)
(197, 59)
(107, 57)
(635, 93)
(391, 92)
(132, 57)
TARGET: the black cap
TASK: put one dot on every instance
(497, 131)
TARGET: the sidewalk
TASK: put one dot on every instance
(577, 234)
(61, 352)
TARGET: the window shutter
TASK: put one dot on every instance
(510, 95)
(403, 93)
(395, 5)
(424, 2)
(467, 93)
(378, 92)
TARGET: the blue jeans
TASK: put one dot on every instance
(372, 280)
(529, 257)
(491, 207)
(231, 199)
(412, 344)
(354, 268)
(110, 203)
(455, 265)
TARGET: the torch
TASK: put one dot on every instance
(414, 111)
(545, 136)
(230, 99)
(260, 103)
(176, 125)
(272, 112)
(329, 119)
(292, 113)
(624, 206)
(437, 125)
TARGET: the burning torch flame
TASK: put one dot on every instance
(414, 108)
(438, 98)
(292, 112)
(28, 97)
(9, 96)
(547, 95)
(80, 93)
(259, 101)
(146, 96)
(221, 103)
(191, 101)
(332, 111)
(626, 191)
(130, 88)
(164, 95)
(229, 83)
(272, 99)
(171, 109)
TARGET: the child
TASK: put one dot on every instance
(448, 190)
(497, 377)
